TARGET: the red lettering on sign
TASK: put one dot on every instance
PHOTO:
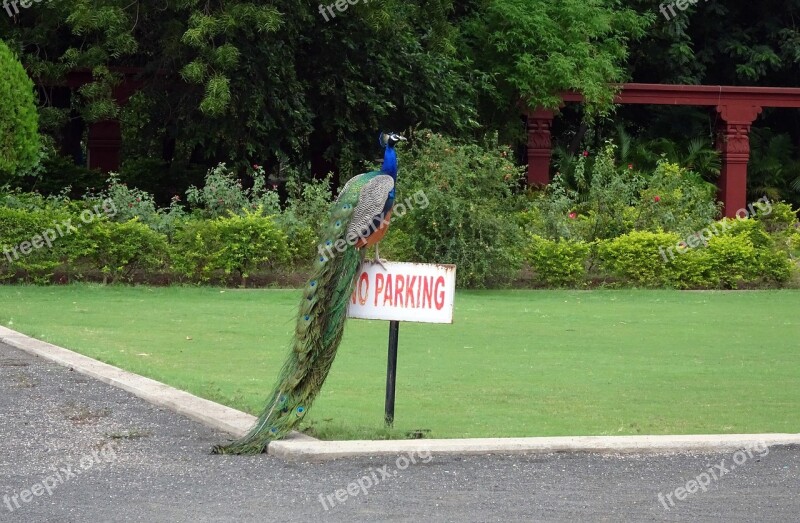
(410, 291)
(378, 287)
(427, 292)
(439, 294)
(388, 296)
(363, 288)
(399, 284)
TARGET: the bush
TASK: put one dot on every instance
(458, 206)
(772, 262)
(117, 250)
(777, 216)
(130, 203)
(223, 193)
(241, 244)
(734, 260)
(640, 258)
(19, 121)
(600, 200)
(23, 248)
(557, 263)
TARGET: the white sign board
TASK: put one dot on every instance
(404, 292)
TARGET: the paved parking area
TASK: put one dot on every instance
(75, 450)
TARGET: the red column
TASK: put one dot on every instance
(734, 144)
(105, 141)
(540, 146)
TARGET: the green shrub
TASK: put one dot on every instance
(241, 244)
(19, 120)
(640, 258)
(601, 200)
(557, 262)
(776, 217)
(675, 199)
(130, 203)
(734, 260)
(223, 193)
(35, 242)
(456, 204)
(772, 261)
(117, 250)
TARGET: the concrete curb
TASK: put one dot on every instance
(301, 447)
(326, 450)
(209, 413)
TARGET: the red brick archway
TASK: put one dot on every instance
(737, 107)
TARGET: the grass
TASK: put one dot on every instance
(514, 363)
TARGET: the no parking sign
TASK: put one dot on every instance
(398, 292)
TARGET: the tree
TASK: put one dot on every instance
(19, 124)
(532, 50)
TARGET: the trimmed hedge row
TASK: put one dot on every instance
(36, 244)
(742, 254)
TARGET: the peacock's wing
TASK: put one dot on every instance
(371, 204)
(352, 189)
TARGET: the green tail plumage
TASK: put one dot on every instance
(320, 324)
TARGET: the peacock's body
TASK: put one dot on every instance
(358, 218)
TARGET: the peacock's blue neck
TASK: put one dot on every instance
(390, 166)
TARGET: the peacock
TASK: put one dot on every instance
(359, 218)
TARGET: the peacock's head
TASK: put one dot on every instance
(391, 139)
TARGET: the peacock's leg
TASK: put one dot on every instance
(378, 260)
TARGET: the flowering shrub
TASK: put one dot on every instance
(223, 193)
(607, 200)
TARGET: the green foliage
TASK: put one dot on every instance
(224, 193)
(35, 239)
(734, 260)
(535, 50)
(118, 249)
(557, 263)
(129, 203)
(635, 257)
(455, 204)
(781, 217)
(232, 244)
(19, 122)
(599, 199)
(731, 253)
(676, 199)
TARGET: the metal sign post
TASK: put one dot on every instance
(398, 292)
(391, 372)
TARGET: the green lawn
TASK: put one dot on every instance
(514, 363)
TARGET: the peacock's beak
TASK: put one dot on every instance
(402, 138)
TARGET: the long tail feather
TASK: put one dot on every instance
(320, 325)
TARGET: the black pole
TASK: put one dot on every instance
(391, 372)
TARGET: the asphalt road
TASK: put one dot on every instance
(76, 450)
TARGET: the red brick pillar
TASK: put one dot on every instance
(105, 141)
(540, 146)
(734, 144)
